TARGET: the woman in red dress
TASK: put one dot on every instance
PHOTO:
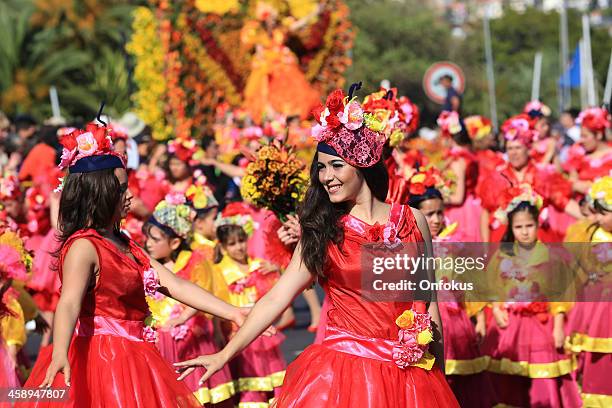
(375, 354)
(109, 360)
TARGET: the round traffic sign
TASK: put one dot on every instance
(434, 90)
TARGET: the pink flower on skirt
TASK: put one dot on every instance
(407, 350)
(149, 334)
(179, 332)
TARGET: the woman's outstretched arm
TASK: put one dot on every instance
(293, 281)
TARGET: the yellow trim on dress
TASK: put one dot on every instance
(253, 405)
(596, 400)
(467, 367)
(532, 370)
(268, 383)
(217, 394)
(579, 342)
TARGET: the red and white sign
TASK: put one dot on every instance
(434, 90)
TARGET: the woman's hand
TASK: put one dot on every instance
(290, 233)
(212, 363)
(268, 267)
(501, 317)
(559, 337)
(481, 329)
(57, 364)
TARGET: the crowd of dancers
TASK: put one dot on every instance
(149, 263)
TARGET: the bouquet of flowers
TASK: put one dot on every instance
(275, 180)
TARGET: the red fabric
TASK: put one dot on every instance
(39, 162)
(322, 377)
(107, 370)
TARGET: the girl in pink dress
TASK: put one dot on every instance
(242, 280)
(526, 336)
(375, 354)
(182, 332)
(102, 348)
(466, 364)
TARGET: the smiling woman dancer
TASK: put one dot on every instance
(109, 360)
(361, 362)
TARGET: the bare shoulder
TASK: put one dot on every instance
(83, 250)
(421, 223)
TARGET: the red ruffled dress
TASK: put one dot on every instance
(354, 365)
(546, 181)
(111, 364)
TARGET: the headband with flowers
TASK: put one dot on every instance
(201, 197)
(519, 128)
(536, 109)
(89, 150)
(513, 196)
(9, 188)
(594, 119)
(173, 215)
(449, 123)
(237, 213)
(601, 192)
(183, 148)
(348, 130)
(478, 127)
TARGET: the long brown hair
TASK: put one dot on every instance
(319, 217)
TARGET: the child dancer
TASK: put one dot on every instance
(465, 363)
(525, 338)
(183, 333)
(260, 368)
(108, 360)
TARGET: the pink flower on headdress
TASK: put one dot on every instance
(67, 157)
(449, 123)
(86, 143)
(175, 199)
(519, 128)
(318, 132)
(352, 116)
(151, 282)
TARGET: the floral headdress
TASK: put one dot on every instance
(513, 196)
(173, 215)
(89, 150)
(9, 188)
(15, 260)
(183, 148)
(519, 128)
(425, 184)
(536, 109)
(478, 126)
(594, 119)
(400, 115)
(237, 213)
(601, 192)
(348, 130)
(118, 132)
(201, 198)
(449, 123)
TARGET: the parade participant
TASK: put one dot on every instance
(520, 169)
(591, 158)
(526, 336)
(544, 148)
(590, 326)
(345, 208)
(260, 367)
(182, 332)
(178, 165)
(465, 362)
(462, 205)
(105, 278)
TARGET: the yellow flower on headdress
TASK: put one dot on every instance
(601, 191)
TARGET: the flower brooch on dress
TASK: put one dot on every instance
(414, 336)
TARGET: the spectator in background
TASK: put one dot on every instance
(210, 167)
(453, 97)
(5, 125)
(568, 121)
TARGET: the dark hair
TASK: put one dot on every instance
(431, 193)
(206, 141)
(169, 234)
(507, 242)
(166, 166)
(224, 234)
(88, 200)
(600, 208)
(462, 138)
(319, 217)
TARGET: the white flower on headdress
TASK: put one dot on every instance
(323, 117)
(87, 143)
